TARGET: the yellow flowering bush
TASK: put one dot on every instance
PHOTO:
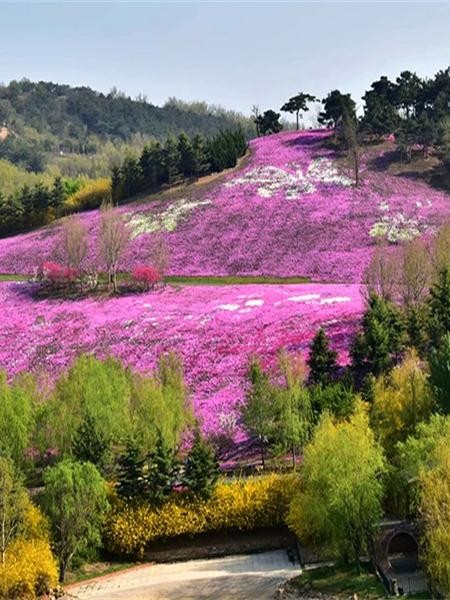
(29, 571)
(30, 568)
(238, 505)
(92, 195)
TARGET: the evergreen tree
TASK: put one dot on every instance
(201, 469)
(57, 194)
(322, 360)
(89, 444)
(440, 374)
(201, 163)
(440, 307)
(187, 155)
(335, 106)
(382, 337)
(116, 185)
(162, 472)
(296, 104)
(131, 483)
(270, 123)
(171, 161)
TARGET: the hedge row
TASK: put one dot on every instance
(241, 505)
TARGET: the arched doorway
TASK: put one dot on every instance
(403, 553)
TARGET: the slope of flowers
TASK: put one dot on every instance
(289, 212)
(214, 330)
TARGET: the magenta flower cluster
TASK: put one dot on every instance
(287, 213)
(214, 330)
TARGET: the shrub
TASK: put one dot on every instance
(92, 195)
(146, 276)
(240, 505)
(30, 569)
(57, 274)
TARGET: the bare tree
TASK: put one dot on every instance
(74, 243)
(114, 238)
(382, 274)
(256, 114)
(159, 254)
(350, 131)
(441, 249)
(416, 273)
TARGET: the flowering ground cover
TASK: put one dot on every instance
(215, 329)
(290, 212)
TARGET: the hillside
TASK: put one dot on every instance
(41, 120)
(291, 211)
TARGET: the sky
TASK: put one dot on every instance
(235, 54)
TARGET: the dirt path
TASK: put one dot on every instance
(234, 577)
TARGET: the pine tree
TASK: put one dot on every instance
(89, 444)
(187, 155)
(131, 483)
(201, 469)
(322, 359)
(57, 194)
(201, 163)
(171, 161)
(162, 472)
(440, 307)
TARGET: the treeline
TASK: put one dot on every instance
(33, 206)
(46, 118)
(177, 159)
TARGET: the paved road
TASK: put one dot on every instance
(246, 577)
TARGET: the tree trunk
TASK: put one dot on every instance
(293, 456)
(263, 458)
(297, 120)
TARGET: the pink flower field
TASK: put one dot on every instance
(214, 329)
(289, 212)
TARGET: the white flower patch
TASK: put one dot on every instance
(304, 298)
(271, 179)
(256, 302)
(324, 170)
(166, 220)
(228, 306)
(335, 300)
(396, 228)
(383, 206)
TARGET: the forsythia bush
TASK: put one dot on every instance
(30, 568)
(92, 195)
(241, 505)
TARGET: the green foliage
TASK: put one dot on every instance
(131, 481)
(401, 400)
(335, 106)
(293, 414)
(14, 503)
(297, 104)
(337, 398)
(89, 443)
(439, 322)
(382, 337)
(439, 362)
(17, 403)
(322, 360)
(258, 410)
(176, 160)
(268, 123)
(201, 470)
(75, 503)
(339, 501)
(162, 472)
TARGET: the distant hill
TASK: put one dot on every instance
(44, 119)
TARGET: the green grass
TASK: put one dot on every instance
(232, 279)
(12, 277)
(193, 279)
(342, 582)
(91, 570)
